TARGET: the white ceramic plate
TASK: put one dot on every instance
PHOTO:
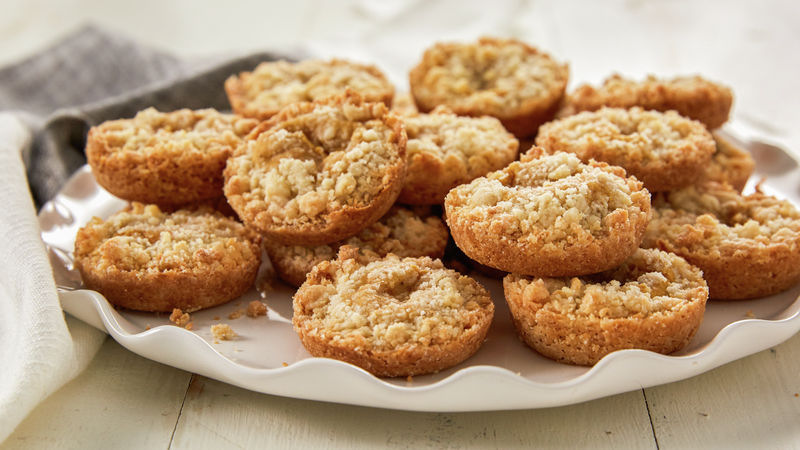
(504, 374)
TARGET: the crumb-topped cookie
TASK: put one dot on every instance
(170, 159)
(401, 232)
(391, 316)
(663, 150)
(145, 259)
(273, 85)
(549, 215)
(691, 96)
(445, 150)
(747, 246)
(730, 164)
(654, 301)
(504, 78)
(318, 172)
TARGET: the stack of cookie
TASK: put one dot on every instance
(344, 190)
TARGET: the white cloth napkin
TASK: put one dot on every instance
(40, 349)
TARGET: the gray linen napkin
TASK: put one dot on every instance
(92, 76)
(89, 77)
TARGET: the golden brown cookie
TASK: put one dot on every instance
(654, 301)
(400, 231)
(663, 150)
(746, 246)
(504, 78)
(445, 150)
(318, 172)
(391, 316)
(549, 215)
(273, 85)
(693, 97)
(730, 164)
(170, 159)
(144, 259)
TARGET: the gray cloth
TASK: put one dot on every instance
(92, 76)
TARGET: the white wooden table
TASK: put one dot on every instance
(125, 401)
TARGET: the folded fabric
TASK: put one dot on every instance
(49, 101)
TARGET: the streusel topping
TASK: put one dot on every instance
(649, 282)
(314, 158)
(179, 132)
(554, 196)
(393, 301)
(273, 85)
(498, 74)
(144, 238)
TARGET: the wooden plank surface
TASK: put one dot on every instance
(121, 401)
(217, 415)
(753, 402)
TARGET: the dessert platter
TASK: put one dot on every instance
(506, 373)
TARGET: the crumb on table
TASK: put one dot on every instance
(749, 314)
(223, 331)
(179, 317)
(236, 314)
(256, 308)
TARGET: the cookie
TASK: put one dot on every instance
(318, 172)
(691, 96)
(391, 316)
(730, 164)
(654, 301)
(445, 150)
(273, 85)
(169, 159)
(504, 78)
(549, 215)
(144, 259)
(664, 150)
(401, 232)
(746, 246)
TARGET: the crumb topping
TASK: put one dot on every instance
(711, 215)
(498, 74)
(400, 231)
(555, 197)
(618, 135)
(179, 132)
(144, 238)
(390, 302)
(314, 158)
(273, 85)
(479, 144)
(649, 282)
(692, 96)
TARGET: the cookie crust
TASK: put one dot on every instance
(655, 301)
(549, 215)
(504, 78)
(271, 86)
(391, 316)
(401, 232)
(747, 246)
(663, 150)
(144, 259)
(169, 159)
(445, 150)
(730, 164)
(318, 172)
(691, 96)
